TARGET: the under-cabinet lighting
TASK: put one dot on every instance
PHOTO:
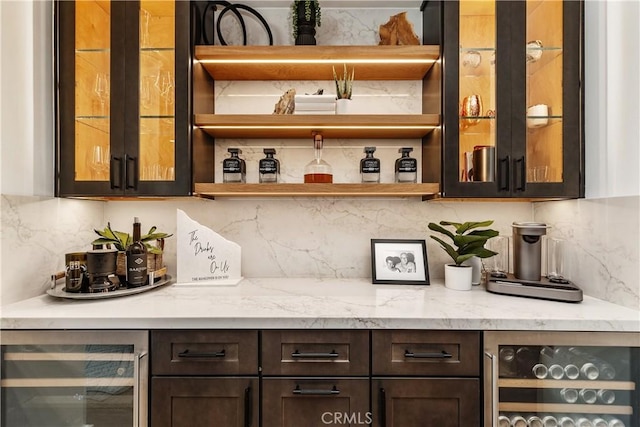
(236, 127)
(317, 61)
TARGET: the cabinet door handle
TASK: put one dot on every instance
(493, 375)
(131, 172)
(503, 174)
(520, 174)
(247, 407)
(383, 407)
(115, 172)
(330, 355)
(442, 355)
(298, 390)
(187, 354)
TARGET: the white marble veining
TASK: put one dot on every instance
(603, 245)
(319, 303)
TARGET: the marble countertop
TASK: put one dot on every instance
(317, 303)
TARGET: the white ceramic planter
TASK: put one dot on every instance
(458, 278)
(343, 106)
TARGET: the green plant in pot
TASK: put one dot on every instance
(467, 241)
(119, 240)
(305, 16)
(344, 89)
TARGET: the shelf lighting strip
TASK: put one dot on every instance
(317, 61)
(235, 127)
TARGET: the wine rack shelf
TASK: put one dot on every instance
(533, 383)
(564, 408)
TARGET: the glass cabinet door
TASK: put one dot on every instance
(562, 379)
(477, 91)
(74, 379)
(123, 109)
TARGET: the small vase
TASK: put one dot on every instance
(343, 106)
(306, 27)
(458, 277)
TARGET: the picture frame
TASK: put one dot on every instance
(399, 262)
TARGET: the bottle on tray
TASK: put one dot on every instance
(136, 259)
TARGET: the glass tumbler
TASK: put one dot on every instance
(498, 264)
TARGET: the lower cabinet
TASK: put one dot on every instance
(198, 401)
(402, 402)
(315, 378)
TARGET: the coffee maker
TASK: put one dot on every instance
(527, 279)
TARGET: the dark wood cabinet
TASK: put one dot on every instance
(513, 100)
(442, 402)
(122, 98)
(204, 378)
(425, 378)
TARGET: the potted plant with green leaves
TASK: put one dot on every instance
(305, 16)
(344, 89)
(467, 241)
(119, 240)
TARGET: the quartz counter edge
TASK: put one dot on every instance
(303, 303)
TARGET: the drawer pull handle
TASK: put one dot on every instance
(442, 355)
(187, 354)
(331, 354)
(299, 390)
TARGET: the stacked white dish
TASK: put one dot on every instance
(315, 104)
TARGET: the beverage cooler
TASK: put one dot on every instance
(74, 378)
(561, 379)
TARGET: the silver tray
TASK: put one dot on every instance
(59, 291)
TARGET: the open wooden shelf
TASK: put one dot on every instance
(316, 62)
(535, 383)
(330, 126)
(425, 190)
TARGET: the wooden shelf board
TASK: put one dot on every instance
(426, 190)
(316, 62)
(353, 126)
(564, 408)
(533, 383)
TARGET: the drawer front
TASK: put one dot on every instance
(427, 353)
(315, 352)
(315, 402)
(204, 352)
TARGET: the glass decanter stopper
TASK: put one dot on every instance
(317, 170)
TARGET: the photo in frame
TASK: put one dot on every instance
(399, 262)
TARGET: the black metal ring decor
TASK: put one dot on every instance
(200, 27)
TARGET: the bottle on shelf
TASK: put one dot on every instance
(518, 421)
(526, 358)
(534, 421)
(600, 422)
(588, 395)
(269, 167)
(234, 168)
(136, 259)
(608, 397)
(370, 166)
(557, 362)
(317, 171)
(549, 421)
(566, 421)
(583, 422)
(587, 369)
(540, 371)
(605, 369)
(569, 395)
(504, 421)
(406, 167)
(614, 421)
(507, 363)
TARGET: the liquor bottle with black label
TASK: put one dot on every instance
(136, 256)
(234, 168)
(269, 167)
(406, 167)
(370, 166)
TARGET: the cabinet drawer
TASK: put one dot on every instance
(430, 353)
(315, 401)
(316, 352)
(204, 352)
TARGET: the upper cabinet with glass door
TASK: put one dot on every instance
(122, 100)
(513, 99)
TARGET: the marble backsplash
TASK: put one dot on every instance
(319, 237)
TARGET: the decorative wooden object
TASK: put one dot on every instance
(398, 31)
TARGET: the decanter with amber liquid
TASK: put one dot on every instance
(317, 170)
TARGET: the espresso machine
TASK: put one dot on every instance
(527, 279)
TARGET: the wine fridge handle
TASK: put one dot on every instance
(493, 375)
(137, 388)
(383, 407)
(247, 407)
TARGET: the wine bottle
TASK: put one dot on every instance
(504, 421)
(605, 369)
(136, 259)
(588, 395)
(518, 421)
(534, 421)
(507, 365)
(608, 397)
(549, 421)
(555, 361)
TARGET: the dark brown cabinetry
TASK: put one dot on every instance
(319, 376)
(513, 99)
(122, 98)
(425, 378)
(204, 378)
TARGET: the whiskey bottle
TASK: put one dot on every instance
(234, 168)
(136, 259)
(370, 166)
(317, 170)
(406, 167)
(269, 167)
